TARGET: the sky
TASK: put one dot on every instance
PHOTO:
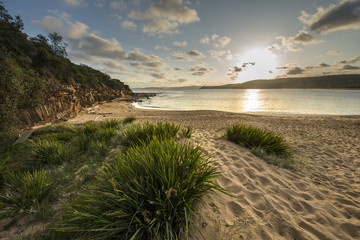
(167, 43)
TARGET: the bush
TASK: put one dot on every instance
(26, 193)
(110, 123)
(129, 119)
(251, 137)
(186, 132)
(150, 193)
(50, 152)
(137, 134)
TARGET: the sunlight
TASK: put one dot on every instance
(264, 67)
(252, 102)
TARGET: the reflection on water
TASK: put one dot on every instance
(283, 101)
(252, 101)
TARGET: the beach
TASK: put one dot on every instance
(320, 200)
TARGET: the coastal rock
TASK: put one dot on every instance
(66, 102)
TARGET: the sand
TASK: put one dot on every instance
(319, 201)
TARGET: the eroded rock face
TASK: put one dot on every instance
(66, 102)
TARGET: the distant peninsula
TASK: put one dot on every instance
(346, 81)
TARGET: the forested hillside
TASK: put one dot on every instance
(35, 71)
(345, 81)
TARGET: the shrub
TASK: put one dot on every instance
(129, 119)
(137, 134)
(150, 193)
(51, 152)
(186, 132)
(251, 137)
(110, 123)
(26, 193)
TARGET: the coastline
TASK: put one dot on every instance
(320, 201)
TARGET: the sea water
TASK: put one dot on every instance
(257, 101)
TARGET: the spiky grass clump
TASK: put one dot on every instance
(129, 119)
(50, 152)
(251, 137)
(187, 132)
(266, 145)
(26, 193)
(137, 134)
(110, 123)
(150, 193)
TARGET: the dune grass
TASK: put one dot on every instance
(26, 193)
(143, 133)
(150, 193)
(129, 119)
(266, 145)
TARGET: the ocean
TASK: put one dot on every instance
(256, 101)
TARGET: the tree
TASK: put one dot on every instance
(18, 23)
(58, 47)
(40, 40)
(4, 15)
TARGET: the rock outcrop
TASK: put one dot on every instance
(66, 101)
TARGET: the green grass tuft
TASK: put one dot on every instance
(50, 152)
(251, 137)
(149, 193)
(129, 119)
(137, 134)
(26, 193)
(266, 145)
(187, 132)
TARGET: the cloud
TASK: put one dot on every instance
(351, 61)
(216, 53)
(221, 53)
(129, 25)
(349, 67)
(181, 80)
(200, 70)
(323, 65)
(119, 5)
(295, 71)
(49, 24)
(76, 30)
(165, 16)
(195, 53)
(180, 44)
(234, 71)
(222, 41)
(158, 47)
(344, 16)
(334, 52)
(205, 40)
(178, 69)
(302, 37)
(187, 56)
(181, 56)
(75, 3)
(216, 40)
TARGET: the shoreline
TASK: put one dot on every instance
(322, 201)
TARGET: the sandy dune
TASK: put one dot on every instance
(322, 201)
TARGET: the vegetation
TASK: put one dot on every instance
(342, 81)
(26, 193)
(32, 68)
(137, 134)
(129, 119)
(267, 145)
(149, 193)
(148, 190)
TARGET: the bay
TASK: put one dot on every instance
(256, 101)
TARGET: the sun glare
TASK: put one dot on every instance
(264, 64)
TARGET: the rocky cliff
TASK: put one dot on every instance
(66, 101)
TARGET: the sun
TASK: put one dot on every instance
(261, 64)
